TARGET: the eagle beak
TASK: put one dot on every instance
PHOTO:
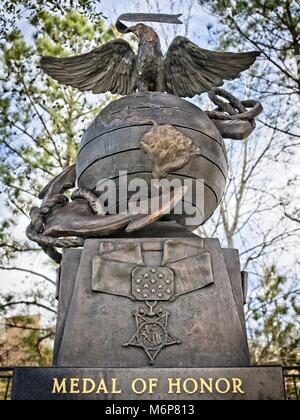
(132, 29)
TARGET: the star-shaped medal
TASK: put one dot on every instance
(152, 333)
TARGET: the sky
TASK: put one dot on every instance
(198, 22)
(112, 9)
(10, 281)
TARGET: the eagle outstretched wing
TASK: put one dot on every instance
(111, 67)
(191, 70)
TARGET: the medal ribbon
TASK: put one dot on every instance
(146, 17)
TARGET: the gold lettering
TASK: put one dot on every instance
(136, 382)
(59, 388)
(218, 386)
(102, 387)
(186, 384)
(237, 386)
(85, 388)
(152, 385)
(141, 386)
(74, 385)
(174, 384)
(206, 385)
(115, 389)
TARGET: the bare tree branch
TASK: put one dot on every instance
(27, 303)
(25, 270)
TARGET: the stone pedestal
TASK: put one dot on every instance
(180, 384)
(150, 317)
(163, 298)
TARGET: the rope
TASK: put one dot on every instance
(234, 109)
(52, 253)
(53, 242)
(35, 230)
(93, 200)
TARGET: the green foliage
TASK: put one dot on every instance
(41, 123)
(269, 26)
(37, 347)
(29, 344)
(12, 11)
(273, 28)
(275, 336)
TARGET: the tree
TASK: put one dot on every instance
(271, 27)
(25, 342)
(262, 178)
(12, 12)
(274, 337)
(30, 154)
(40, 128)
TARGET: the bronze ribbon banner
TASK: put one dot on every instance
(114, 270)
(121, 270)
(146, 17)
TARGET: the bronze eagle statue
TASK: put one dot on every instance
(186, 70)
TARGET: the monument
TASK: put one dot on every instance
(147, 309)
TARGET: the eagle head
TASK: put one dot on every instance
(144, 33)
